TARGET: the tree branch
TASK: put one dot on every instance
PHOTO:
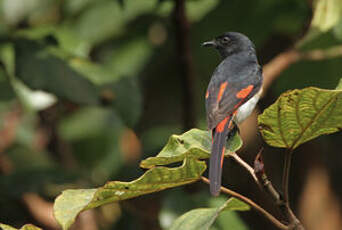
(259, 170)
(246, 166)
(263, 182)
(284, 60)
(186, 64)
(248, 201)
(277, 65)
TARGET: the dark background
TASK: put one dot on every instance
(122, 76)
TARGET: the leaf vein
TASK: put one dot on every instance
(312, 121)
(296, 111)
(279, 124)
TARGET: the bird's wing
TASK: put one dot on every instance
(231, 85)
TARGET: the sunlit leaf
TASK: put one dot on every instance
(301, 115)
(339, 85)
(327, 14)
(195, 143)
(25, 227)
(71, 202)
(203, 218)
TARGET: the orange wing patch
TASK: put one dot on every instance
(221, 91)
(244, 92)
(220, 126)
(207, 94)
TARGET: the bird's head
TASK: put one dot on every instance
(230, 43)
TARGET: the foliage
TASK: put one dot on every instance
(25, 227)
(71, 202)
(189, 147)
(90, 88)
(203, 218)
(301, 115)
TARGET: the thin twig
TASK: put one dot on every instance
(259, 170)
(245, 165)
(263, 182)
(252, 204)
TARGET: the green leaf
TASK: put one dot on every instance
(339, 85)
(203, 218)
(25, 227)
(42, 69)
(194, 143)
(230, 220)
(71, 202)
(124, 97)
(327, 14)
(301, 115)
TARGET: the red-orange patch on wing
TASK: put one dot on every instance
(221, 91)
(207, 94)
(244, 92)
(222, 156)
(220, 126)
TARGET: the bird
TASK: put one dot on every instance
(232, 94)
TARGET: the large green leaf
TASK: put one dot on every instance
(41, 69)
(301, 115)
(194, 143)
(327, 14)
(25, 227)
(71, 202)
(203, 218)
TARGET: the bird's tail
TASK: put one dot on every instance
(217, 154)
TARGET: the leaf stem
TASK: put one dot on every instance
(266, 214)
(294, 222)
(286, 175)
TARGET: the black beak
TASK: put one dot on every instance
(211, 43)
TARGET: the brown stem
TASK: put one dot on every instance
(294, 222)
(284, 60)
(262, 181)
(185, 63)
(277, 65)
(245, 165)
(252, 204)
(260, 172)
(286, 175)
(317, 55)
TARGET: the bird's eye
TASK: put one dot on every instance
(225, 39)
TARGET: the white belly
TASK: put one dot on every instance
(247, 108)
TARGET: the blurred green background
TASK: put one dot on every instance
(89, 88)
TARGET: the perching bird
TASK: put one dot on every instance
(232, 94)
